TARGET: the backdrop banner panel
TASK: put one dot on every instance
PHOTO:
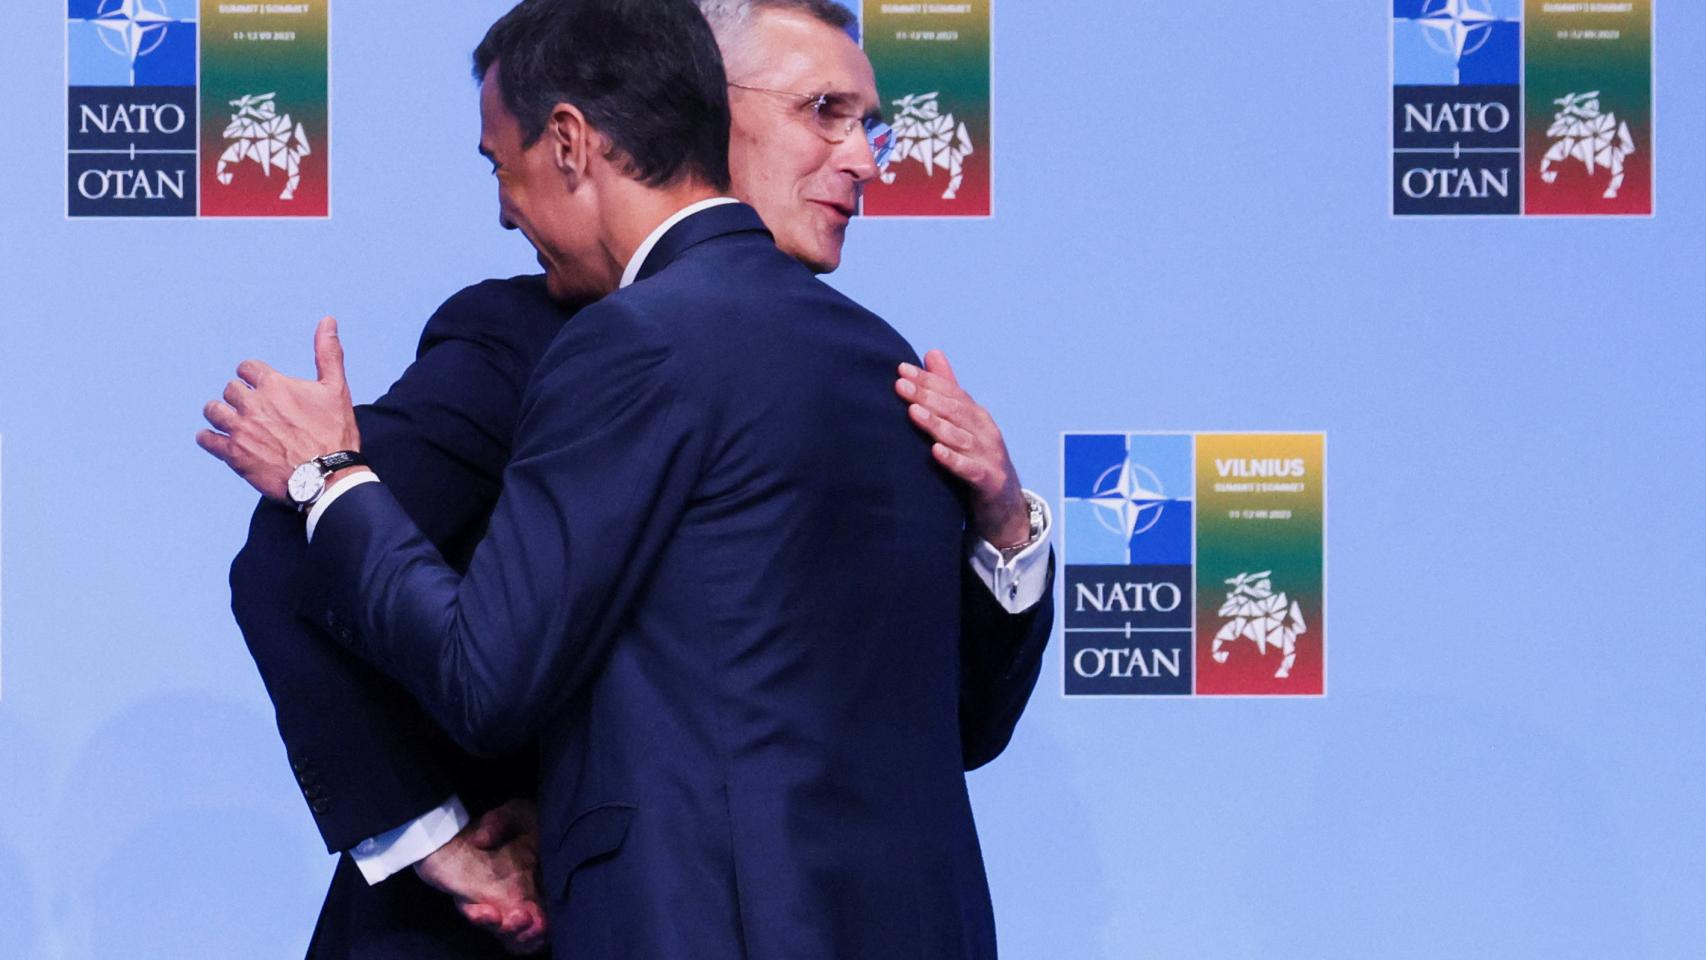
(1588, 68)
(933, 65)
(265, 103)
(1195, 564)
(181, 109)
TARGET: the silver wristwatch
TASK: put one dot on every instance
(308, 481)
(1035, 506)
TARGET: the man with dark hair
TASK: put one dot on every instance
(776, 140)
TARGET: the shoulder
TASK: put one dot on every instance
(614, 341)
(514, 318)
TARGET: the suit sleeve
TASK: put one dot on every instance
(605, 460)
(365, 755)
(1001, 656)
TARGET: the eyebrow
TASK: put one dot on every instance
(874, 113)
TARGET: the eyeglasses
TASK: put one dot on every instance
(835, 116)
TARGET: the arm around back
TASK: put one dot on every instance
(606, 456)
(365, 755)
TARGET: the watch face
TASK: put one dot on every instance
(305, 484)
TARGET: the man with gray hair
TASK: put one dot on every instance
(806, 137)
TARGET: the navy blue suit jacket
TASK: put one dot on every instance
(722, 588)
(365, 755)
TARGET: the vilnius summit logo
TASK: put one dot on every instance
(1514, 107)
(1195, 565)
(182, 108)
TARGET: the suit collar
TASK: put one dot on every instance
(706, 224)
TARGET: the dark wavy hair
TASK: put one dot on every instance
(646, 73)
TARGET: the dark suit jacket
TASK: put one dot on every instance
(366, 757)
(722, 586)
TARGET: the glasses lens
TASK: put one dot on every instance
(881, 138)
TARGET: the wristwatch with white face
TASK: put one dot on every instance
(308, 481)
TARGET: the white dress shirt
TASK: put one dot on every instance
(1017, 584)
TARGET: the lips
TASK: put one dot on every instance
(845, 208)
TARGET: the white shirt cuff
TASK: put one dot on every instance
(338, 489)
(409, 844)
(1017, 583)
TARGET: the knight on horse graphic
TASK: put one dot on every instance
(933, 138)
(268, 138)
(1584, 133)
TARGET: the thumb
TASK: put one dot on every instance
(937, 362)
(328, 353)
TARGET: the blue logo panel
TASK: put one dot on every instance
(1140, 597)
(148, 185)
(1442, 42)
(1128, 578)
(1457, 107)
(1128, 630)
(132, 122)
(1147, 664)
(1128, 498)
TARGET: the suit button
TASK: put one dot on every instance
(366, 847)
(319, 807)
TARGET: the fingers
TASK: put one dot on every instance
(937, 362)
(328, 353)
(973, 471)
(942, 397)
(493, 831)
(255, 373)
(941, 428)
(237, 394)
(217, 444)
(512, 821)
(956, 401)
(220, 415)
(521, 928)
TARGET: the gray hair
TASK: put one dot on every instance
(729, 17)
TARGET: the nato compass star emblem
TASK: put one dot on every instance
(133, 29)
(1128, 499)
(1458, 28)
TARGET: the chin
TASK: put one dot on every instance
(822, 256)
(558, 287)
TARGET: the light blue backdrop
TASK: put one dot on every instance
(1191, 233)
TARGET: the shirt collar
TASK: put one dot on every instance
(638, 260)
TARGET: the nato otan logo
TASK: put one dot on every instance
(131, 140)
(1457, 107)
(1129, 506)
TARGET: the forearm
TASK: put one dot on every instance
(362, 752)
(1000, 660)
(384, 593)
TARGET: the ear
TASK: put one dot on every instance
(570, 139)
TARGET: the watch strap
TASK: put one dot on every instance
(1034, 508)
(333, 462)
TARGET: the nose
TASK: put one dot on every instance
(855, 158)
